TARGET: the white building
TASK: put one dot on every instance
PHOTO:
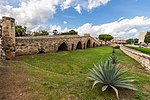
(142, 37)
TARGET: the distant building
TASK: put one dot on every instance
(142, 37)
(118, 41)
(29, 33)
(86, 34)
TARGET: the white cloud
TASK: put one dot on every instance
(32, 13)
(67, 3)
(78, 8)
(125, 28)
(65, 22)
(95, 3)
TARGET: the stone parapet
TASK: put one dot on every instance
(143, 59)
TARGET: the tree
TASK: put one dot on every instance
(132, 41)
(136, 40)
(20, 31)
(71, 32)
(105, 37)
(147, 38)
(41, 33)
(44, 32)
(55, 32)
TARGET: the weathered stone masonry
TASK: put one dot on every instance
(143, 59)
(16, 46)
(45, 44)
(8, 37)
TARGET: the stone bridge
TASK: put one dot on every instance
(16, 46)
(45, 44)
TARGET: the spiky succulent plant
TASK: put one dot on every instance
(113, 58)
(109, 75)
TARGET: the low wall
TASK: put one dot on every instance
(142, 58)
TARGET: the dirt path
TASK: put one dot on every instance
(13, 84)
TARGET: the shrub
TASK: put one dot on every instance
(109, 74)
(116, 47)
(144, 50)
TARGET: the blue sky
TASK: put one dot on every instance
(120, 18)
(113, 11)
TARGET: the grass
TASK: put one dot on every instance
(63, 75)
(144, 50)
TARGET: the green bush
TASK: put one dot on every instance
(116, 47)
(144, 50)
(40, 33)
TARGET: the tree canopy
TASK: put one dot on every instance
(105, 37)
(147, 37)
(71, 32)
(41, 33)
(130, 41)
(55, 32)
(20, 31)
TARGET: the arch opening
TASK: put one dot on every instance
(41, 51)
(79, 45)
(63, 47)
(88, 44)
(84, 45)
(94, 45)
(72, 47)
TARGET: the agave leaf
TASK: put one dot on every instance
(124, 80)
(96, 67)
(127, 86)
(95, 82)
(102, 72)
(91, 78)
(98, 74)
(118, 68)
(119, 74)
(96, 78)
(117, 94)
(104, 87)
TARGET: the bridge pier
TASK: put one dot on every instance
(8, 37)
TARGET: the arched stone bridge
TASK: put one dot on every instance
(45, 44)
(16, 46)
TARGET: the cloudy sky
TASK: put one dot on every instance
(120, 18)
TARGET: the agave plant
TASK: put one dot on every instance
(109, 75)
(113, 58)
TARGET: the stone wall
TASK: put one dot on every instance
(36, 44)
(143, 59)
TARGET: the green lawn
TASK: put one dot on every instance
(144, 50)
(63, 75)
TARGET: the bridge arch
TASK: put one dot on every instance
(79, 45)
(94, 45)
(88, 44)
(41, 51)
(63, 47)
(72, 47)
(84, 45)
